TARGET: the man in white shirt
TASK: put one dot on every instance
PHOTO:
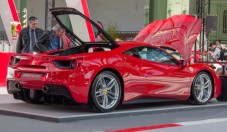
(215, 51)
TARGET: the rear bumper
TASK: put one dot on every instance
(69, 83)
(51, 89)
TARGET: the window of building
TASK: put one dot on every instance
(225, 21)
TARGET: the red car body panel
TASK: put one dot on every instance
(178, 32)
(165, 81)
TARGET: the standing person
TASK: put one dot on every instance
(218, 43)
(51, 40)
(67, 43)
(215, 51)
(28, 36)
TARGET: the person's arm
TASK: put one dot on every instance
(217, 53)
(39, 32)
(43, 42)
(212, 55)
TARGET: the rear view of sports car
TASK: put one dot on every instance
(108, 73)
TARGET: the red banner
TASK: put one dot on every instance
(5, 57)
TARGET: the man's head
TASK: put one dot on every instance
(218, 42)
(33, 22)
(58, 31)
(213, 46)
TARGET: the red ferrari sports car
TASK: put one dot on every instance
(105, 74)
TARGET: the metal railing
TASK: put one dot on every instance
(127, 35)
(128, 32)
(3, 36)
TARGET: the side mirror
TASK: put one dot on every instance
(182, 63)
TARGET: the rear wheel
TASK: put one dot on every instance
(105, 92)
(202, 89)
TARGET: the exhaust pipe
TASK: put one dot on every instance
(17, 86)
(46, 89)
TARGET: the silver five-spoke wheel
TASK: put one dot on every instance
(202, 89)
(106, 91)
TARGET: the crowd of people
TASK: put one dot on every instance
(217, 51)
(34, 39)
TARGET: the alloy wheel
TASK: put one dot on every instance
(202, 88)
(107, 91)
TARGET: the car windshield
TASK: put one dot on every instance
(81, 29)
(199, 57)
(172, 52)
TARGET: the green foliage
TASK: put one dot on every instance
(112, 30)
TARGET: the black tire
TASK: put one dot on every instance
(105, 92)
(201, 89)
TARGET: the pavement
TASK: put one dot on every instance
(3, 90)
(60, 113)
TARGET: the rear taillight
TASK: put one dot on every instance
(13, 60)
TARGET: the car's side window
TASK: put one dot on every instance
(156, 55)
(132, 52)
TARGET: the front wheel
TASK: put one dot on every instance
(105, 92)
(202, 89)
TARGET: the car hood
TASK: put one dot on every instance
(178, 32)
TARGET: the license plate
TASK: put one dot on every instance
(33, 76)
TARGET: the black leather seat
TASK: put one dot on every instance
(98, 49)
